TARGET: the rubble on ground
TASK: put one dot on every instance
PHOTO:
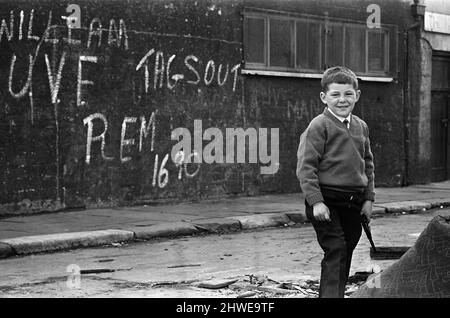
(261, 286)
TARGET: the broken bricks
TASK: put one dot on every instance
(216, 284)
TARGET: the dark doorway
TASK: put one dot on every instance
(440, 98)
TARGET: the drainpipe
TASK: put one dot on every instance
(405, 109)
(406, 105)
(417, 10)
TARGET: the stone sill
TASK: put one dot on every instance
(312, 75)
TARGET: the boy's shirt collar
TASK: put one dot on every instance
(341, 119)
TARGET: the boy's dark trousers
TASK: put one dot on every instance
(337, 238)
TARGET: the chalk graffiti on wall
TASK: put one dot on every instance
(194, 73)
(117, 35)
(162, 71)
(157, 68)
(124, 142)
(54, 80)
(80, 80)
(302, 109)
(160, 173)
(181, 153)
(27, 88)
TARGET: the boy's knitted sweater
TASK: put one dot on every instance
(330, 155)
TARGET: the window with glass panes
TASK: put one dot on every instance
(275, 42)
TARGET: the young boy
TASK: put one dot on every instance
(336, 173)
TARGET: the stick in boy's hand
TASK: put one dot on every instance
(321, 212)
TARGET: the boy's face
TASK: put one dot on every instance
(340, 98)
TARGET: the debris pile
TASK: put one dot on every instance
(261, 286)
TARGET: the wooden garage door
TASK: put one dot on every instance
(440, 92)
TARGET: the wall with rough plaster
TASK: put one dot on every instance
(87, 114)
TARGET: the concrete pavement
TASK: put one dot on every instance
(22, 235)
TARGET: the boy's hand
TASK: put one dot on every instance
(321, 212)
(367, 210)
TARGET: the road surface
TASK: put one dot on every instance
(175, 267)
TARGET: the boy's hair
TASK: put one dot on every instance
(339, 75)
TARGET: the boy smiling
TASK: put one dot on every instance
(336, 173)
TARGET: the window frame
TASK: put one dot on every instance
(253, 65)
(321, 44)
(387, 52)
(291, 55)
(389, 32)
(328, 23)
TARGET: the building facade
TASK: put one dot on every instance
(109, 103)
